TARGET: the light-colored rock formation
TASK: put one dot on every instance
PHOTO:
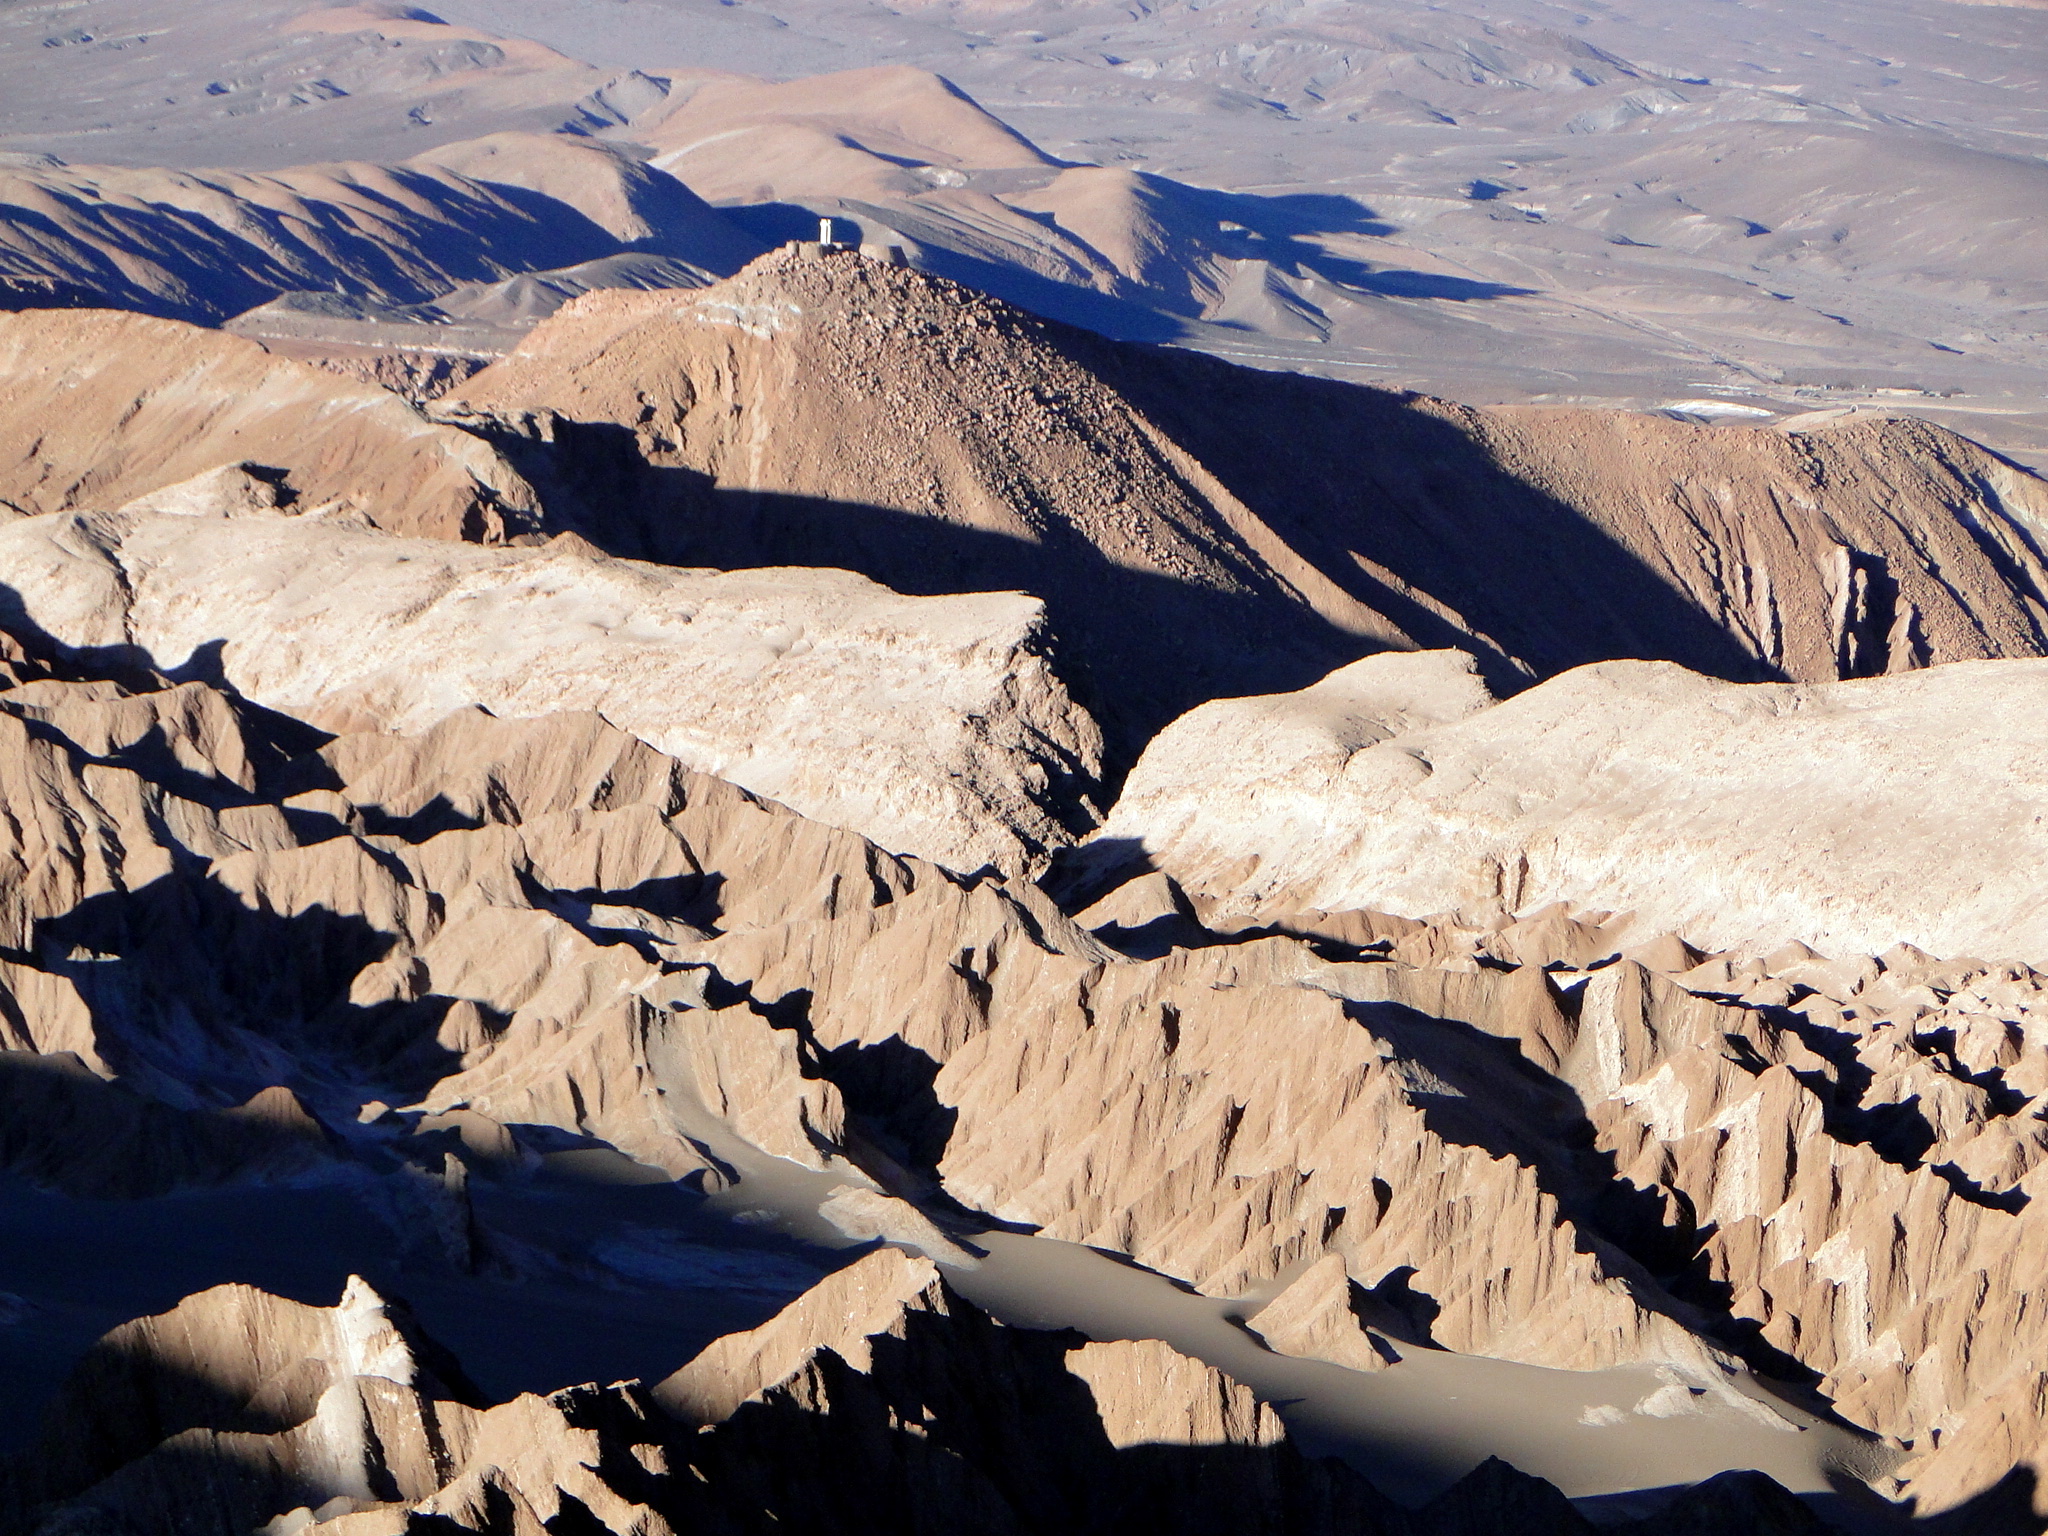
(105, 407)
(843, 1313)
(867, 1213)
(840, 410)
(933, 725)
(1852, 816)
(327, 1419)
(798, 412)
(1148, 1393)
(1315, 1317)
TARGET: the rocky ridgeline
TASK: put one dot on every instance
(1821, 1168)
(314, 809)
(883, 1400)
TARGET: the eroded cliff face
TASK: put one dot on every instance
(884, 1400)
(1503, 1142)
(454, 886)
(1852, 816)
(933, 725)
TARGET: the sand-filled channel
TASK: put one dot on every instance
(1413, 1428)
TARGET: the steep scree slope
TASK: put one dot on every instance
(1200, 530)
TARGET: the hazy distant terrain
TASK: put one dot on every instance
(1745, 209)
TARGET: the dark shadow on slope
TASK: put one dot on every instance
(189, 984)
(64, 1128)
(1283, 231)
(1346, 471)
(1007, 1439)
(1394, 283)
(1649, 1238)
(579, 1277)
(1136, 648)
(281, 753)
(1398, 505)
(964, 1424)
(1896, 1130)
(897, 1127)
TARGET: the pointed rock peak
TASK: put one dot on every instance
(370, 1342)
(1494, 1497)
(1138, 902)
(280, 1109)
(1751, 1502)
(840, 1313)
(1149, 1393)
(1786, 956)
(1314, 1318)
(1667, 953)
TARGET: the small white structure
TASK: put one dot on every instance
(838, 234)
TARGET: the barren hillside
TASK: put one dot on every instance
(1019, 767)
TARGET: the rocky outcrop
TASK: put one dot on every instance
(335, 1404)
(1509, 1141)
(1316, 1316)
(844, 411)
(1851, 816)
(1493, 1052)
(933, 725)
(105, 407)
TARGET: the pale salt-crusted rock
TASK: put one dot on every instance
(1852, 816)
(934, 726)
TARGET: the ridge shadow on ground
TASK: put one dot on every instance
(1338, 470)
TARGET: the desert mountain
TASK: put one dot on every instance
(384, 77)
(867, 133)
(846, 411)
(1814, 211)
(842, 411)
(106, 407)
(655, 881)
(783, 1424)
(362, 238)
